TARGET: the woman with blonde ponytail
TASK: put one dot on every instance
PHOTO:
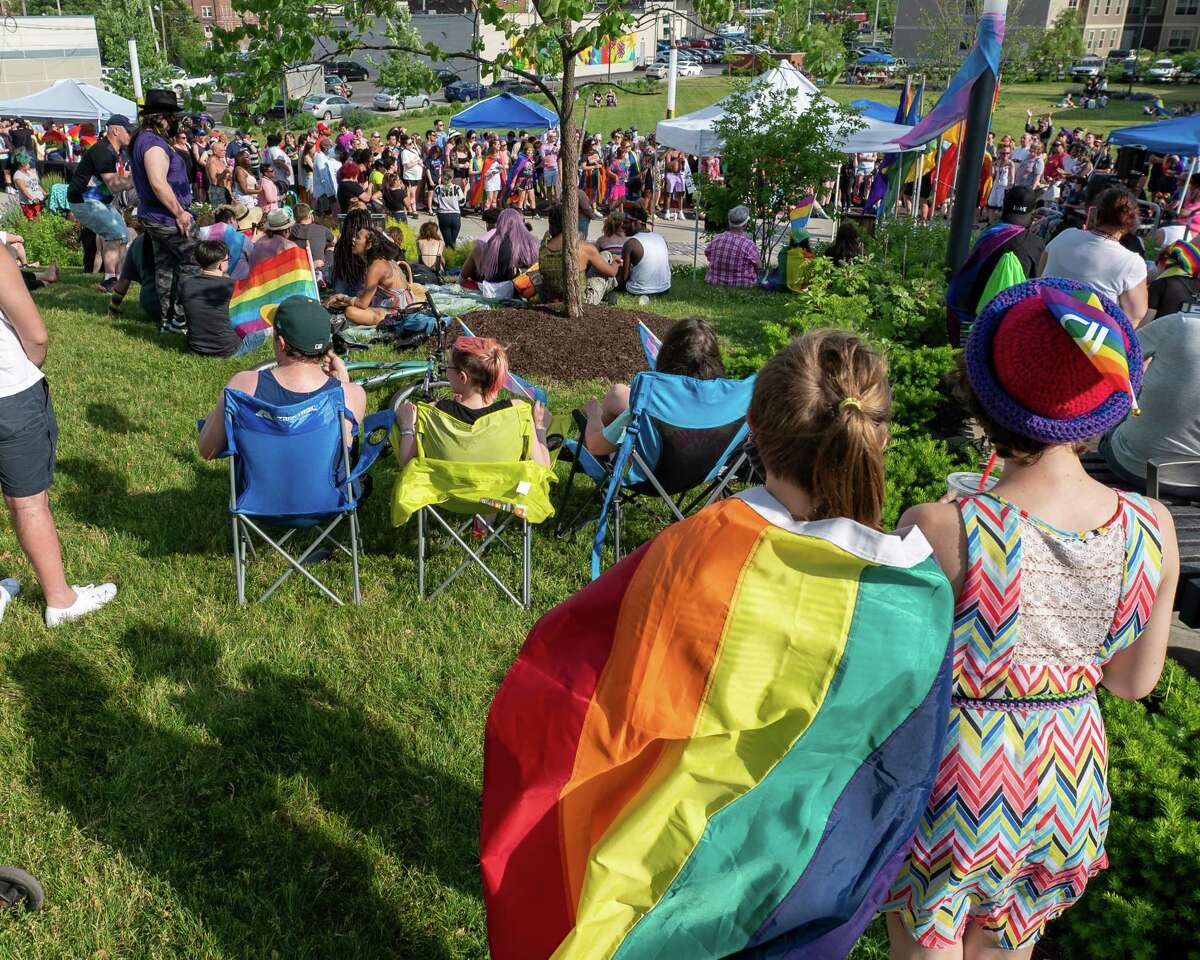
(734, 731)
(819, 417)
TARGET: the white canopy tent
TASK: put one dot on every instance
(69, 101)
(694, 134)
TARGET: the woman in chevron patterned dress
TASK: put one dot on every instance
(1016, 822)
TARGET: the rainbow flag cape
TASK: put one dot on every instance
(952, 105)
(512, 382)
(721, 747)
(287, 274)
(1095, 333)
(650, 344)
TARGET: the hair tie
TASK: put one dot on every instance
(850, 402)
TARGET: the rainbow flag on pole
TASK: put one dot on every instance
(287, 274)
(650, 344)
(721, 747)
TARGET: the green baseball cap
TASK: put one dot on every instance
(303, 323)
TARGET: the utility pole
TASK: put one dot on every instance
(875, 24)
(153, 27)
(970, 159)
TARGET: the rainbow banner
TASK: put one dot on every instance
(952, 105)
(650, 344)
(721, 747)
(287, 274)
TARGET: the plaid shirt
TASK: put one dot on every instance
(733, 260)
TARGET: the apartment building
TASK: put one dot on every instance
(1107, 24)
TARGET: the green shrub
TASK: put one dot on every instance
(1147, 904)
(51, 238)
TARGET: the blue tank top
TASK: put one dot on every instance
(269, 390)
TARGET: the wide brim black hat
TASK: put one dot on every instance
(161, 101)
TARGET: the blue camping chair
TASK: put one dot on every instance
(685, 436)
(290, 467)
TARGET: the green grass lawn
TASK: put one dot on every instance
(644, 111)
(290, 780)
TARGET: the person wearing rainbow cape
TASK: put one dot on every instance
(1063, 585)
(722, 746)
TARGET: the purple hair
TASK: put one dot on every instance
(510, 225)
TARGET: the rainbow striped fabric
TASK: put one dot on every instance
(650, 344)
(287, 274)
(1095, 333)
(720, 748)
(1183, 260)
(799, 215)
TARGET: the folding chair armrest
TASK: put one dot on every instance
(1155, 466)
(368, 451)
(200, 429)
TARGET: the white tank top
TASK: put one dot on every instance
(17, 371)
(651, 274)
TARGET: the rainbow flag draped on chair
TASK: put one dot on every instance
(289, 273)
(721, 747)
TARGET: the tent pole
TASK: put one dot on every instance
(1186, 183)
(920, 172)
(696, 243)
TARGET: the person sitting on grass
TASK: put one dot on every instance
(476, 370)
(137, 267)
(645, 259)
(733, 258)
(385, 284)
(597, 271)
(279, 224)
(431, 248)
(205, 298)
(306, 366)
(689, 349)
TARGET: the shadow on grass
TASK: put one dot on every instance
(238, 803)
(143, 329)
(174, 521)
(108, 417)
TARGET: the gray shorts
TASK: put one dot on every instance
(28, 441)
(101, 219)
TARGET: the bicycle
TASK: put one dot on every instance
(428, 375)
(20, 889)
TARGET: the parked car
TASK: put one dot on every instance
(701, 42)
(337, 85)
(394, 101)
(446, 76)
(663, 70)
(514, 85)
(464, 91)
(348, 69)
(1163, 71)
(327, 106)
(710, 56)
(1193, 76)
(1087, 67)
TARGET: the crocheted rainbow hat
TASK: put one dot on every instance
(1053, 360)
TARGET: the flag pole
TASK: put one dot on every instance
(970, 159)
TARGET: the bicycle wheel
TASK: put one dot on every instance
(20, 889)
(419, 392)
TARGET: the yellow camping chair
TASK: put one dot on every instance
(474, 470)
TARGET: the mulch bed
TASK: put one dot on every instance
(541, 342)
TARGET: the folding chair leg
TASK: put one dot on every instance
(239, 563)
(354, 556)
(421, 554)
(296, 564)
(526, 562)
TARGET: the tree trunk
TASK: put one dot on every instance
(569, 182)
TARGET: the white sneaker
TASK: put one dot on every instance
(89, 598)
(9, 588)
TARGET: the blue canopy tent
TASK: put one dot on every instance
(875, 110)
(877, 59)
(507, 111)
(1180, 136)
